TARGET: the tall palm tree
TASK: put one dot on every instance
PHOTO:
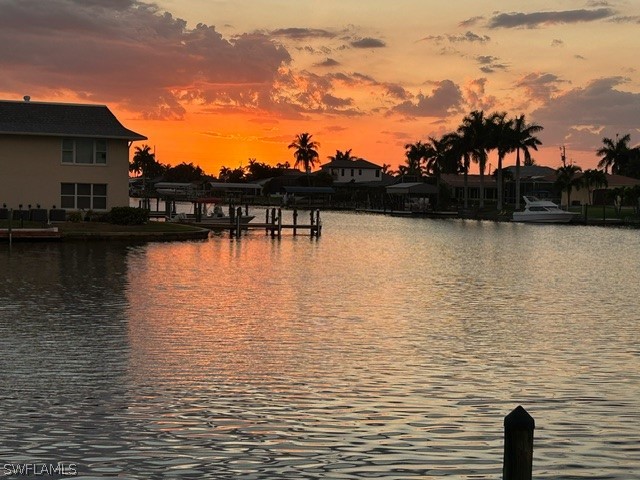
(524, 139)
(437, 157)
(502, 139)
(615, 154)
(592, 179)
(305, 153)
(476, 128)
(460, 146)
(567, 179)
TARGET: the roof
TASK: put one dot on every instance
(62, 119)
(308, 190)
(235, 186)
(532, 171)
(473, 180)
(358, 163)
(412, 187)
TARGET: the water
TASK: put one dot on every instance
(387, 348)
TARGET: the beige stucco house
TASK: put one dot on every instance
(70, 156)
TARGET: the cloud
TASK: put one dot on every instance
(466, 37)
(302, 33)
(532, 20)
(368, 42)
(475, 96)
(598, 107)
(470, 22)
(557, 43)
(132, 54)
(329, 62)
(445, 100)
(489, 63)
(540, 87)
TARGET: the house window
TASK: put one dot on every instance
(360, 171)
(86, 196)
(342, 174)
(377, 173)
(85, 151)
(352, 172)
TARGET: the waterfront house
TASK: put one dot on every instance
(599, 196)
(455, 184)
(353, 171)
(72, 156)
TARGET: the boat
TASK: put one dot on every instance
(211, 218)
(541, 211)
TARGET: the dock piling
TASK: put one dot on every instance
(518, 445)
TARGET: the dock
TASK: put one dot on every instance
(21, 234)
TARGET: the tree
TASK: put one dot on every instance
(476, 128)
(414, 154)
(306, 153)
(229, 175)
(342, 156)
(592, 179)
(614, 154)
(460, 146)
(502, 139)
(184, 172)
(524, 139)
(567, 179)
(144, 162)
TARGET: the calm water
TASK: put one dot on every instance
(388, 348)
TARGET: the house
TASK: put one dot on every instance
(353, 171)
(598, 196)
(455, 183)
(70, 156)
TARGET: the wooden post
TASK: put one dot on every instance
(273, 222)
(238, 221)
(318, 224)
(295, 221)
(266, 221)
(279, 222)
(518, 445)
(246, 209)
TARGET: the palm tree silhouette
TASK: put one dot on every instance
(502, 139)
(592, 179)
(566, 179)
(476, 129)
(305, 153)
(524, 139)
(615, 154)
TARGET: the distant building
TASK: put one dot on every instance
(353, 171)
(73, 156)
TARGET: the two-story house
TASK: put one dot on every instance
(353, 171)
(72, 156)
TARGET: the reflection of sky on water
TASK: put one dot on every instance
(389, 345)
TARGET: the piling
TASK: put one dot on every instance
(279, 222)
(518, 445)
(238, 221)
(295, 221)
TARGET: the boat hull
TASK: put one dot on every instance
(528, 217)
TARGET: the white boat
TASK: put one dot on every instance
(541, 211)
(211, 218)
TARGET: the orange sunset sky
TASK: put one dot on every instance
(216, 82)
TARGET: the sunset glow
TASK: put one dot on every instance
(218, 82)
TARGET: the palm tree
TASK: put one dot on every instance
(524, 139)
(476, 128)
(592, 179)
(415, 153)
(345, 156)
(503, 141)
(306, 152)
(460, 146)
(437, 155)
(142, 163)
(566, 179)
(615, 154)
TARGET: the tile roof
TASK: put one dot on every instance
(62, 119)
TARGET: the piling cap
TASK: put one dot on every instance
(519, 419)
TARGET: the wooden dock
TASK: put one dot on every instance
(20, 234)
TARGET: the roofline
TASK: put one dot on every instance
(56, 103)
(45, 134)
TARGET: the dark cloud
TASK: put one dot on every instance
(446, 99)
(368, 43)
(302, 33)
(489, 63)
(598, 106)
(557, 43)
(132, 54)
(329, 62)
(532, 20)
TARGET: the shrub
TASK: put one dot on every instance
(128, 216)
(75, 217)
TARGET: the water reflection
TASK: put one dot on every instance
(389, 347)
